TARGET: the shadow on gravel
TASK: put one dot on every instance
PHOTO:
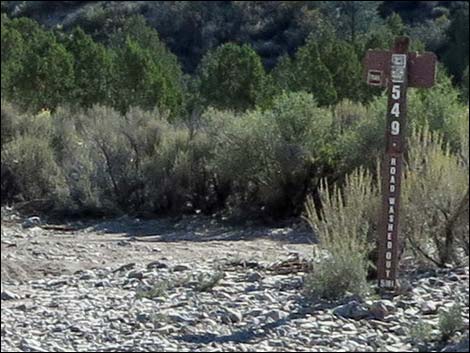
(200, 229)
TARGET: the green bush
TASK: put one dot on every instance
(176, 173)
(421, 333)
(8, 116)
(345, 230)
(440, 108)
(359, 135)
(29, 170)
(450, 321)
(270, 157)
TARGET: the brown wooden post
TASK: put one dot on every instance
(388, 243)
(396, 70)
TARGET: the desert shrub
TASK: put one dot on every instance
(439, 108)
(205, 282)
(158, 289)
(450, 321)
(75, 157)
(133, 162)
(435, 198)
(8, 117)
(270, 157)
(344, 231)
(29, 170)
(420, 333)
(359, 135)
(176, 174)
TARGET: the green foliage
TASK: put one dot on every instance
(358, 135)
(352, 18)
(42, 69)
(137, 161)
(8, 126)
(346, 70)
(439, 107)
(44, 75)
(344, 230)
(456, 56)
(13, 48)
(307, 73)
(431, 32)
(420, 333)
(158, 289)
(93, 68)
(395, 24)
(140, 80)
(270, 157)
(147, 74)
(29, 168)
(451, 321)
(232, 77)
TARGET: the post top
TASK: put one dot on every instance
(421, 67)
(401, 44)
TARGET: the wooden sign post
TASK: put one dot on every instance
(396, 70)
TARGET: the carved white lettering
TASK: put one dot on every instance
(396, 110)
(396, 92)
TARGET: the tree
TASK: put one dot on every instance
(45, 75)
(232, 77)
(93, 67)
(306, 72)
(352, 18)
(141, 81)
(456, 55)
(158, 79)
(11, 54)
(395, 24)
(345, 68)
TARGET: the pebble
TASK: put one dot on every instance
(31, 222)
(8, 295)
(250, 309)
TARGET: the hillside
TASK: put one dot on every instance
(272, 28)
